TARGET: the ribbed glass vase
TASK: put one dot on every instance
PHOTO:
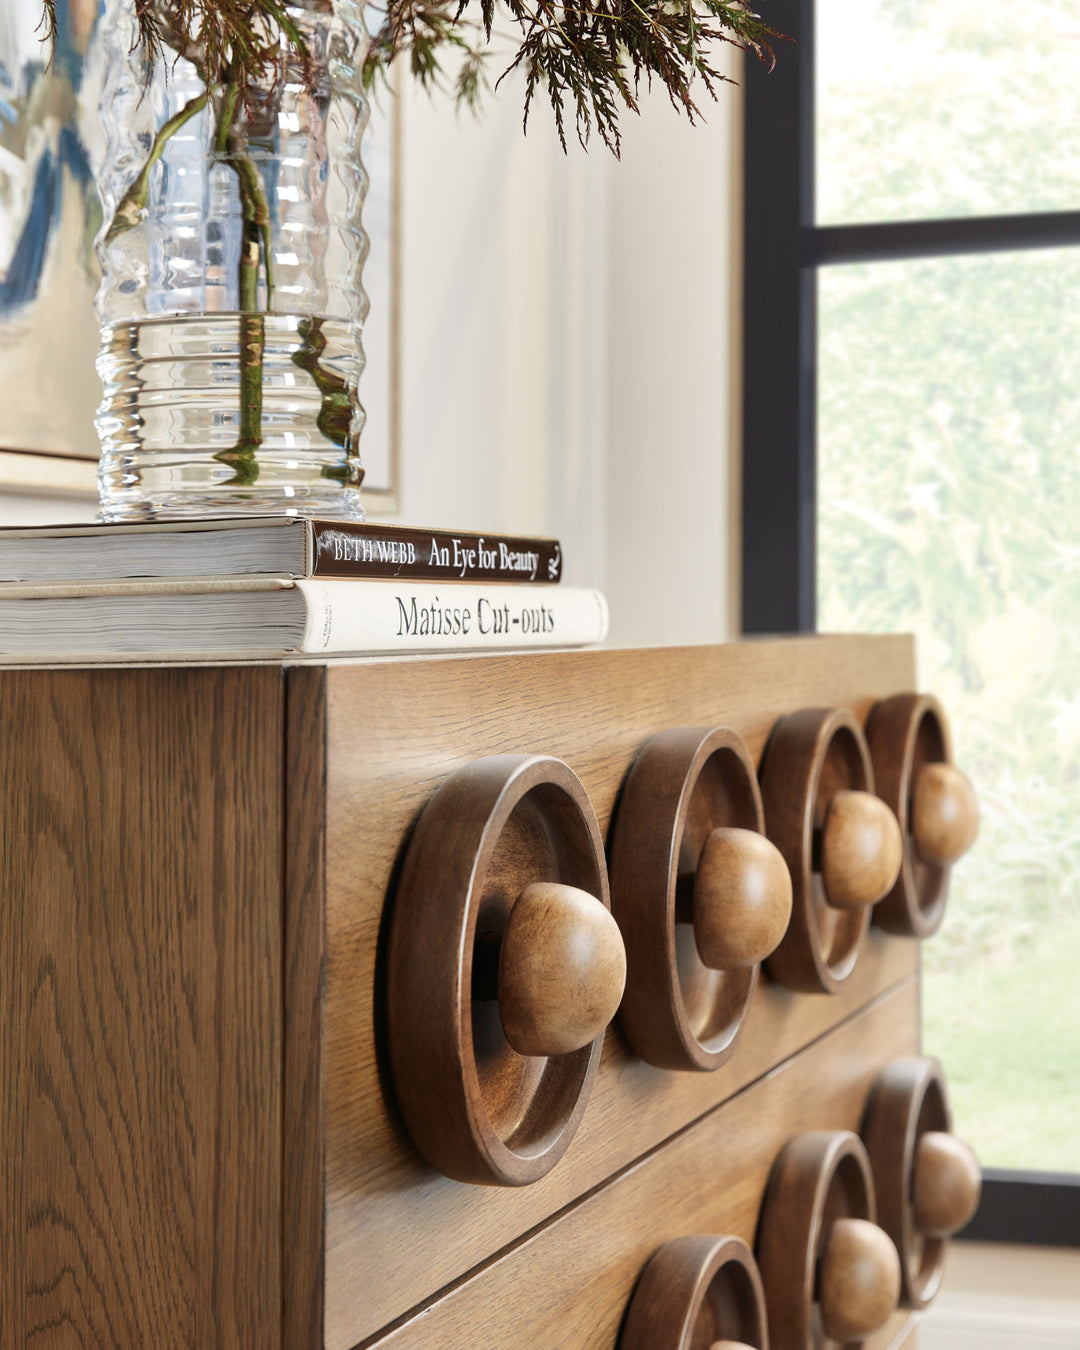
(231, 301)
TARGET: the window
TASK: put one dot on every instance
(912, 460)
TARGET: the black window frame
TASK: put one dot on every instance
(784, 247)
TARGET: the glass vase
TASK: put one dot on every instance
(231, 301)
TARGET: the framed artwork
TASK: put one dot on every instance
(49, 216)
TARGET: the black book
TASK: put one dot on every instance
(271, 546)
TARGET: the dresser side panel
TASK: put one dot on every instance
(140, 942)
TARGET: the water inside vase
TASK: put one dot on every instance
(204, 409)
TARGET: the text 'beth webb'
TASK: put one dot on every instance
(394, 552)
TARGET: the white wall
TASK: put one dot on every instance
(570, 352)
(29, 508)
(674, 269)
(503, 328)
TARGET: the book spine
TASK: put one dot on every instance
(357, 549)
(357, 616)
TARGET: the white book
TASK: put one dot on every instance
(274, 617)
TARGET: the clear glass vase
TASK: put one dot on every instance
(231, 301)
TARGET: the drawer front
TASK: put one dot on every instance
(569, 1284)
(396, 1232)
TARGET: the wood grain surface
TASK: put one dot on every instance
(200, 1146)
(569, 1284)
(395, 731)
(140, 999)
(303, 1078)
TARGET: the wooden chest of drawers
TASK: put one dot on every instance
(202, 1145)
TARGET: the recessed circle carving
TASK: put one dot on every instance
(699, 1291)
(828, 1271)
(935, 804)
(926, 1180)
(499, 830)
(699, 894)
(841, 843)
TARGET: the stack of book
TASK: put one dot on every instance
(272, 586)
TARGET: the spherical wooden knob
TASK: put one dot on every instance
(730, 1345)
(562, 968)
(861, 850)
(742, 899)
(944, 814)
(860, 1280)
(946, 1184)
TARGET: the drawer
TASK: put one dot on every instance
(568, 1284)
(394, 732)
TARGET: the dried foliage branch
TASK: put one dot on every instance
(232, 43)
(590, 59)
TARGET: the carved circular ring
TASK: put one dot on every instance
(475, 1108)
(815, 763)
(828, 1271)
(687, 789)
(907, 1133)
(698, 1291)
(907, 733)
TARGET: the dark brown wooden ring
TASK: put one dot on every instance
(908, 1099)
(810, 755)
(695, 1291)
(819, 1177)
(475, 1109)
(904, 733)
(676, 1012)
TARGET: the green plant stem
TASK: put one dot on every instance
(252, 349)
(133, 203)
(335, 415)
(254, 255)
(256, 213)
(225, 118)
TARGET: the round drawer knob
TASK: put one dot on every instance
(699, 893)
(829, 1272)
(742, 899)
(927, 1181)
(503, 967)
(934, 802)
(562, 969)
(944, 814)
(946, 1184)
(861, 850)
(698, 1291)
(860, 1280)
(841, 844)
